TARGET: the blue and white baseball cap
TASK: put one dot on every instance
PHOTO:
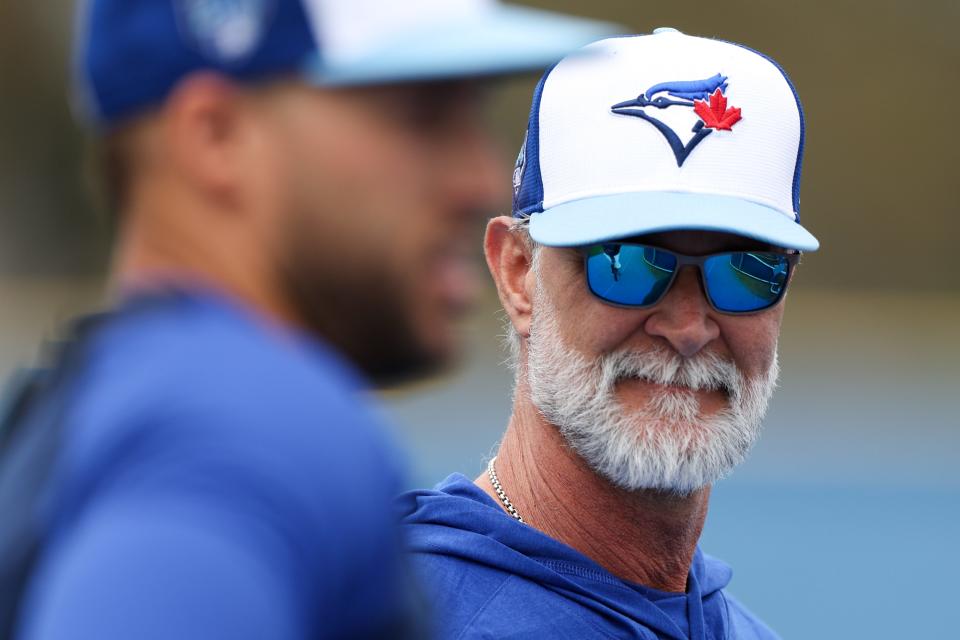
(130, 53)
(663, 132)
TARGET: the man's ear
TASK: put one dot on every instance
(204, 130)
(509, 259)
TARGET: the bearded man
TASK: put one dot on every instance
(294, 183)
(643, 277)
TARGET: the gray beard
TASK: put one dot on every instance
(667, 445)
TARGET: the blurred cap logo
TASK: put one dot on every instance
(226, 31)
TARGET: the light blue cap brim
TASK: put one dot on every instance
(620, 216)
(506, 40)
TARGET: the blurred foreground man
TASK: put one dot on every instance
(655, 233)
(294, 201)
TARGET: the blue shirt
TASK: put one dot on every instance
(216, 477)
(490, 576)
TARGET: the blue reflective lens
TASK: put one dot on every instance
(629, 274)
(638, 276)
(745, 281)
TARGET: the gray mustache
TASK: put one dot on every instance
(704, 372)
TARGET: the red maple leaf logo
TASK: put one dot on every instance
(716, 115)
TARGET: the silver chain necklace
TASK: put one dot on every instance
(495, 481)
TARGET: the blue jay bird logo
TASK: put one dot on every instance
(694, 96)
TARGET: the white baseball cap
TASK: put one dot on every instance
(663, 132)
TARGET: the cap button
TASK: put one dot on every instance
(659, 30)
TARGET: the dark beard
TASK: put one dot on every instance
(362, 313)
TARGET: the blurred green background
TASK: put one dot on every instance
(844, 522)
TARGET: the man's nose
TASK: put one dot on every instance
(683, 317)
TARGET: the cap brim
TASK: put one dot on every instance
(505, 40)
(612, 217)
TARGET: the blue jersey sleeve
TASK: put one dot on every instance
(125, 573)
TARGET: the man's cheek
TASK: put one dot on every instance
(755, 352)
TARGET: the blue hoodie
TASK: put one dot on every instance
(490, 576)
